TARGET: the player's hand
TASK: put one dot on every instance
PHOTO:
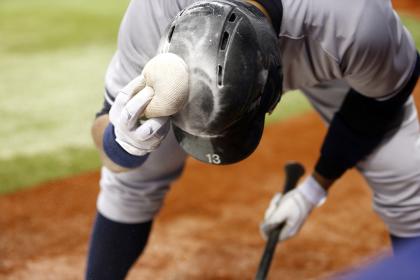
(135, 136)
(293, 208)
(160, 91)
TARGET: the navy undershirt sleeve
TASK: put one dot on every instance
(359, 126)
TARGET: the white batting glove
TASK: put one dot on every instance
(293, 208)
(163, 84)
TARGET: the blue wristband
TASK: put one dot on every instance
(117, 154)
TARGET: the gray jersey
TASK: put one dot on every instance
(361, 41)
(327, 47)
(141, 28)
(321, 40)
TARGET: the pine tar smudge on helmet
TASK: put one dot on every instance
(234, 78)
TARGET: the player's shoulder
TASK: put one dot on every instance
(358, 23)
(310, 17)
(346, 8)
(172, 7)
(361, 14)
(163, 7)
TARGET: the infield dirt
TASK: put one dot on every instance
(208, 228)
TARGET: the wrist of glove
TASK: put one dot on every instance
(157, 93)
(293, 208)
(117, 154)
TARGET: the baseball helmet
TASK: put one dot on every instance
(235, 78)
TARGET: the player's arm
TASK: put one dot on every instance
(362, 121)
(381, 81)
(123, 142)
(357, 129)
(97, 131)
(127, 131)
(113, 134)
(382, 69)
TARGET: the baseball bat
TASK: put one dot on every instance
(293, 172)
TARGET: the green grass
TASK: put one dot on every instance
(23, 171)
(293, 103)
(412, 24)
(46, 25)
(50, 102)
(53, 55)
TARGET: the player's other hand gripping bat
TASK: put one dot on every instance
(293, 172)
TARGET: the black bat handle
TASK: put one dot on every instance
(294, 171)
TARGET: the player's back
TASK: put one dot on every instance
(360, 41)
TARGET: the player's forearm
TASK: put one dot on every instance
(359, 126)
(97, 131)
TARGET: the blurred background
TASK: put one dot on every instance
(53, 55)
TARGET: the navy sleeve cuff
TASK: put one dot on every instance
(117, 154)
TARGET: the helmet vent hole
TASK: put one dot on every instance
(225, 39)
(219, 75)
(232, 17)
(171, 32)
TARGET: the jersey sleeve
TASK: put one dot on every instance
(138, 40)
(382, 54)
(382, 68)
(360, 125)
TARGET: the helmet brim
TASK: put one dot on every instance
(237, 143)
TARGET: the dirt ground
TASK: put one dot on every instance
(208, 228)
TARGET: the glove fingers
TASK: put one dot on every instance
(153, 128)
(284, 209)
(294, 208)
(287, 232)
(274, 203)
(117, 107)
(296, 218)
(135, 86)
(273, 221)
(135, 107)
(276, 219)
(124, 96)
(289, 229)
